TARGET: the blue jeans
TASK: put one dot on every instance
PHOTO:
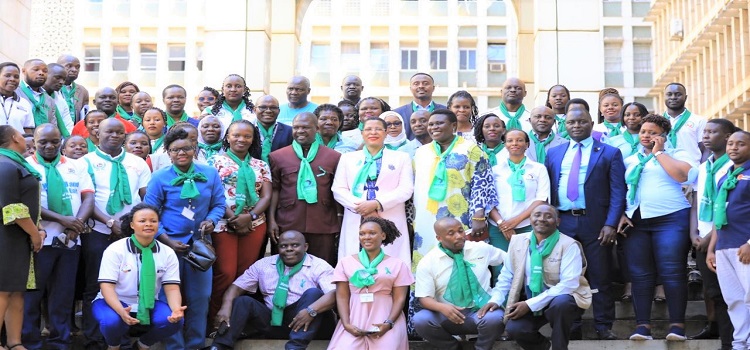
(114, 328)
(658, 247)
(196, 293)
(56, 269)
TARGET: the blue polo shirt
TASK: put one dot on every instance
(737, 230)
(174, 218)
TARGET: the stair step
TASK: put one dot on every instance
(696, 309)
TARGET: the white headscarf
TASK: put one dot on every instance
(221, 132)
(394, 141)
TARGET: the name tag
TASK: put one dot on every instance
(366, 298)
(189, 214)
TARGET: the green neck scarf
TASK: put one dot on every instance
(307, 187)
(170, 120)
(58, 199)
(516, 181)
(633, 141)
(69, 92)
(61, 124)
(635, 176)
(136, 119)
(415, 107)
(676, 128)
(368, 171)
(187, 180)
(119, 184)
(236, 113)
(267, 143)
(18, 158)
(720, 205)
(540, 146)
(40, 105)
(614, 129)
(245, 195)
(210, 149)
(396, 147)
(158, 143)
(147, 281)
(492, 152)
(536, 280)
(561, 131)
(514, 122)
(361, 126)
(366, 277)
(464, 289)
(706, 211)
(439, 185)
(90, 145)
(123, 113)
(331, 144)
(282, 290)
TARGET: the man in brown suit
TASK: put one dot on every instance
(302, 199)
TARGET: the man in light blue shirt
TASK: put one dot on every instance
(297, 91)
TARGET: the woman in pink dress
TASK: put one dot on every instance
(371, 290)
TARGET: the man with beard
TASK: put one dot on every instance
(422, 86)
(30, 89)
(511, 109)
(297, 91)
(76, 96)
(352, 88)
(687, 128)
(105, 100)
(55, 79)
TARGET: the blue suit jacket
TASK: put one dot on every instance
(282, 138)
(405, 111)
(604, 187)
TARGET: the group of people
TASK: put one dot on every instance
(501, 221)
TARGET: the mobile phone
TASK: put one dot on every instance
(373, 330)
(62, 241)
(223, 328)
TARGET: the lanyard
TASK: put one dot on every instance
(8, 111)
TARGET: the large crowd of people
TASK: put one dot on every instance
(426, 221)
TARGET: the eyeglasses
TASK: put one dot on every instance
(393, 124)
(206, 99)
(267, 108)
(183, 149)
(369, 130)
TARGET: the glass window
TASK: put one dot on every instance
(176, 58)
(379, 57)
(120, 58)
(613, 57)
(320, 57)
(91, 58)
(612, 8)
(438, 59)
(408, 59)
(199, 56)
(148, 57)
(350, 56)
(496, 52)
(642, 58)
(467, 59)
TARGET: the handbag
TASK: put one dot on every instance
(201, 255)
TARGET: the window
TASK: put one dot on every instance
(199, 56)
(120, 58)
(176, 58)
(350, 56)
(379, 57)
(467, 59)
(496, 53)
(612, 8)
(438, 59)
(642, 58)
(91, 58)
(409, 59)
(320, 57)
(148, 57)
(613, 57)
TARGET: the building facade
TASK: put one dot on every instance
(15, 29)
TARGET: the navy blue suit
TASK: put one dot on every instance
(604, 191)
(405, 111)
(282, 138)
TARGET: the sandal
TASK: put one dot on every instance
(626, 298)
(14, 346)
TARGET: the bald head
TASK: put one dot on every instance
(297, 90)
(105, 100)
(514, 90)
(47, 140)
(441, 225)
(72, 67)
(450, 233)
(293, 235)
(292, 247)
(45, 129)
(352, 88)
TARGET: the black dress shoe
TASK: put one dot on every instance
(606, 335)
(216, 347)
(576, 334)
(711, 331)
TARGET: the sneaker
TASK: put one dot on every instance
(676, 334)
(641, 333)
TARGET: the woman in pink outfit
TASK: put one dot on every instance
(371, 290)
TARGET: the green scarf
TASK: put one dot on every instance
(170, 120)
(187, 180)
(439, 185)
(536, 280)
(396, 147)
(267, 140)
(331, 144)
(307, 187)
(676, 128)
(633, 141)
(61, 124)
(158, 143)
(123, 113)
(90, 145)
(147, 281)
(236, 113)
(415, 107)
(368, 171)
(282, 290)
(137, 119)
(210, 149)
(516, 181)
(70, 98)
(18, 158)
(119, 184)
(492, 152)
(361, 126)
(720, 205)
(561, 131)
(58, 199)
(40, 105)
(635, 176)
(706, 211)
(614, 129)
(514, 122)
(541, 151)
(245, 195)
(464, 289)
(366, 277)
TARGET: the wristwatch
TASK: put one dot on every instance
(311, 312)
(110, 223)
(658, 154)
(254, 216)
(389, 322)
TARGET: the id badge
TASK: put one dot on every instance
(189, 214)
(366, 298)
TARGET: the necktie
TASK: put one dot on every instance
(573, 176)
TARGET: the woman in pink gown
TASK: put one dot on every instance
(371, 290)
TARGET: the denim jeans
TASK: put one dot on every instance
(196, 293)
(114, 328)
